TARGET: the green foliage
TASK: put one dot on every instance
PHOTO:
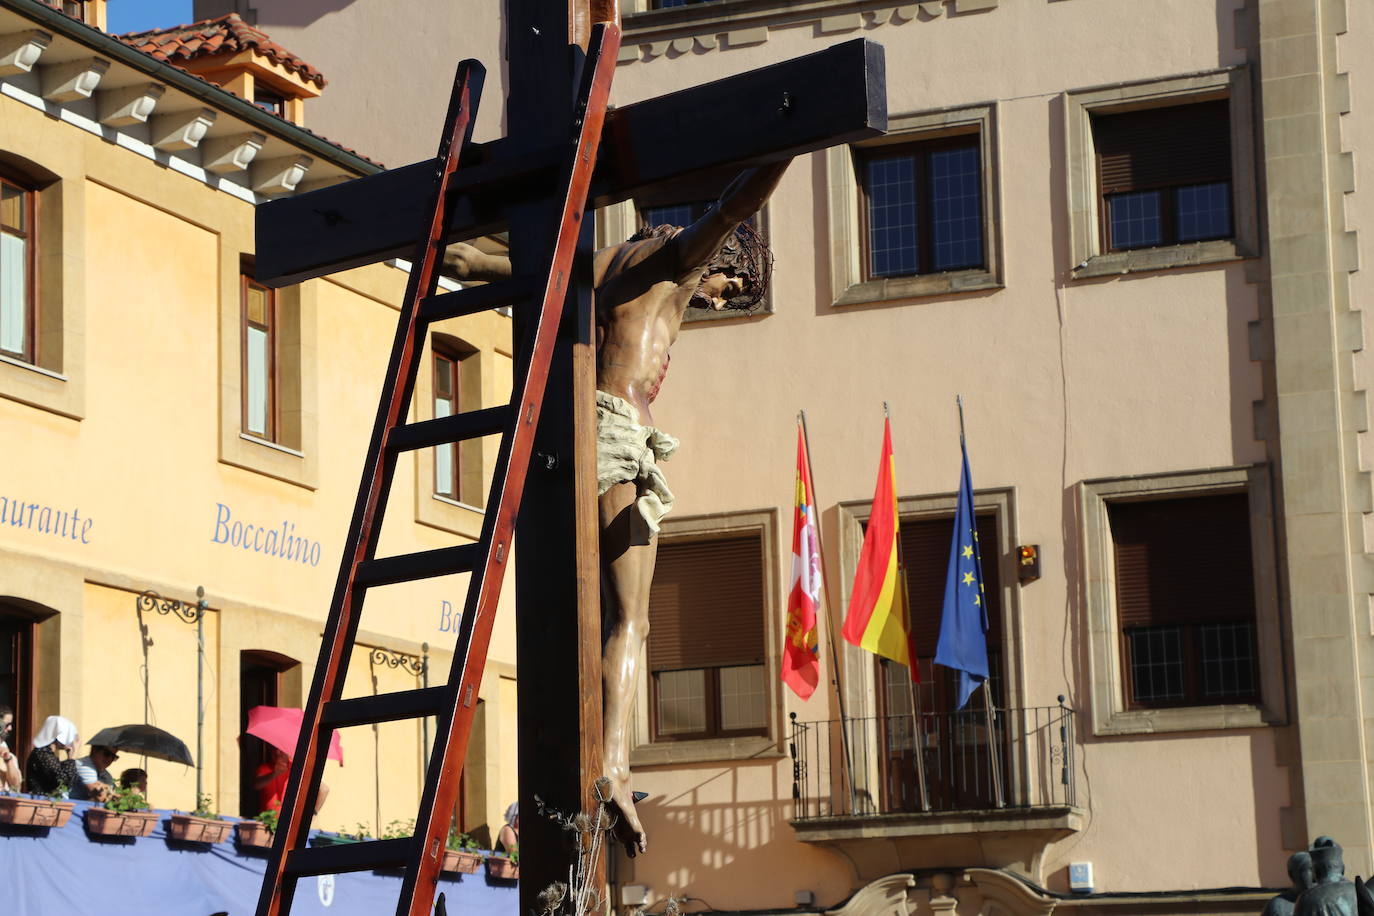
(60, 793)
(514, 854)
(268, 819)
(122, 800)
(460, 841)
(205, 807)
(397, 830)
(360, 832)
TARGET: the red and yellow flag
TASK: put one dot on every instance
(878, 619)
(800, 657)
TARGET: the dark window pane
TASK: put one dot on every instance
(956, 208)
(674, 215)
(891, 185)
(1203, 211)
(1228, 659)
(1156, 663)
(1135, 220)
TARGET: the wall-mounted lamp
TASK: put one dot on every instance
(1028, 563)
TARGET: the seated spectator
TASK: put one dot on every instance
(508, 840)
(135, 778)
(10, 777)
(94, 782)
(270, 781)
(44, 773)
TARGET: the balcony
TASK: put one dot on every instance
(991, 788)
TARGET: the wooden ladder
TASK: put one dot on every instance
(453, 703)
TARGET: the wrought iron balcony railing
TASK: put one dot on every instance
(974, 760)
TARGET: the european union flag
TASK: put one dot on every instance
(963, 642)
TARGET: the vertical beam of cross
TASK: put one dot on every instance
(558, 617)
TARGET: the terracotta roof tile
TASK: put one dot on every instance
(227, 34)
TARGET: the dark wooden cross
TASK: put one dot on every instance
(809, 103)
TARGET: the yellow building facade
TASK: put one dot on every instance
(168, 426)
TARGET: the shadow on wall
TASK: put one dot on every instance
(284, 12)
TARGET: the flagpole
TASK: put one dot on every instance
(993, 757)
(913, 695)
(830, 611)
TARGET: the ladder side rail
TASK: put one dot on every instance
(360, 545)
(474, 637)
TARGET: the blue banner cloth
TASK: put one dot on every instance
(963, 643)
(62, 870)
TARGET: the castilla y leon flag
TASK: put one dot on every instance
(877, 619)
(800, 658)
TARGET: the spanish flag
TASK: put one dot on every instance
(877, 619)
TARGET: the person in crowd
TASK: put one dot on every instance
(270, 781)
(94, 782)
(44, 772)
(508, 840)
(11, 778)
(135, 778)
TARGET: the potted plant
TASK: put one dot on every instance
(328, 838)
(125, 813)
(504, 868)
(35, 810)
(258, 831)
(461, 854)
(202, 825)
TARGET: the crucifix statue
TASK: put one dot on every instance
(594, 496)
(643, 287)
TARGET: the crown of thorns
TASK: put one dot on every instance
(745, 255)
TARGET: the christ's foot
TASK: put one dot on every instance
(628, 828)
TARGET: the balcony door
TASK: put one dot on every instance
(960, 749)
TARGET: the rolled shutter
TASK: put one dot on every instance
(1183, 560)
(706, 604)
(1177, 145)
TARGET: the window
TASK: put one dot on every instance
(1161, 174)
(446, 457)
(16, 677)
(1181, 594)
(1185, 600)
(913, 213)
(706, 645)
(1164, 175)
(18, 259)
(262, 682)
(259, 360)
(269, 101)
(922, 207)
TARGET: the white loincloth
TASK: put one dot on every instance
(627, 451)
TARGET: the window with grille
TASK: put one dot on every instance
(706, 658)
(1185, 600)
(18, 245)
(259, 342)
(1164, 175)
(921, 207)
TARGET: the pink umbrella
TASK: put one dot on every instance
(280, 726)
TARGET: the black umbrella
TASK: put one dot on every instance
(147, 740)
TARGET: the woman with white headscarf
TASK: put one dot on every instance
(44, 773)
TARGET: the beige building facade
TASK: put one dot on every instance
(1129, 236)
(171, 425)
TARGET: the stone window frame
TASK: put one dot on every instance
(432, 509)
(294, 458)
(843, 213)
(1109, 713)
(644, 751)
(1088, 258)
(56, 380)
(616, 223)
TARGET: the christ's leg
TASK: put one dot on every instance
(627, 556)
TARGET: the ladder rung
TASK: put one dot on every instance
(457, 428)
(472, 299)
(344, 857)
(385, 707)
(423, 565)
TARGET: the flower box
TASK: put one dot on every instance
(461, 861)
(104, 822)
(191, 829)
(34, 812)
(254, 833)
(502, 868)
